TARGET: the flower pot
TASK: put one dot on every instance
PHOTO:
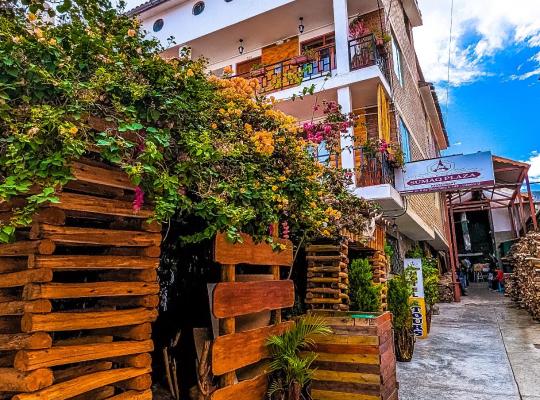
(256, 72)
(298, 60)
(404, 343)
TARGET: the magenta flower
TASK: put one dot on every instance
(139, 199)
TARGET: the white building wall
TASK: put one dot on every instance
(180, 22)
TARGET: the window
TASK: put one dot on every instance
(158, 25)
(198, 8)
(405, 137)
(397, 60)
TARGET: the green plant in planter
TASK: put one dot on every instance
(291, 358)
(365, 295)
(400, 289)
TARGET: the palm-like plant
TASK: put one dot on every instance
(291, 358)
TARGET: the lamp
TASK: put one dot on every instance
(301, 25)
(241, 47)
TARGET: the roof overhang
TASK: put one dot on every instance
(413, 12)
(433, 109)
(509, 178)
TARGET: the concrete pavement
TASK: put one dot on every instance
(480, 349)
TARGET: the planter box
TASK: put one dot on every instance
(356, 362)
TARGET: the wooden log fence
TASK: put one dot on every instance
(78, 294)
(327, 275)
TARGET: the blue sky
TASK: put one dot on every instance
(494, 91)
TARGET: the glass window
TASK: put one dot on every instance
(198, 8)
(405, 137)
(397, 60)
(158, 25)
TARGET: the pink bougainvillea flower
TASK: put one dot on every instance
(139, 199)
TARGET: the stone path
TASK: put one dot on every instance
(480, 349)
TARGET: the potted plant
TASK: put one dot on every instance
(306, 56)
(357, 28)
(256, 70)
(400, 289)
(364, 294)
(291, 358)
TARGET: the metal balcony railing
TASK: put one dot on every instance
(364, 52)
(294, 71)
(373, 169)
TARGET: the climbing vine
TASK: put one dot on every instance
(207, 151)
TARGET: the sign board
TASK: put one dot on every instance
(446, 174)
(417, 301)
(419, 316)
(416, 263)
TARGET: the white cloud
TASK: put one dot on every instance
(457, 144)
(494, 23)
(534, 171)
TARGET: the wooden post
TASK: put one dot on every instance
(227, 325)
(531, 203)
(276, 314)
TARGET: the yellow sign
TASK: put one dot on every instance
(419, 314)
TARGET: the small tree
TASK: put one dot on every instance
(365, 295)
(291, 359)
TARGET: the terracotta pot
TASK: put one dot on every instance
(299, 60)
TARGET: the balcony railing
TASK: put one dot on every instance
(373, 169)
(365, 52)
(294, 71)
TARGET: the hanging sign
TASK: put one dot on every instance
(446, 174)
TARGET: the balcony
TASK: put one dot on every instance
(292, 72)
(373, 169)
(365, 52)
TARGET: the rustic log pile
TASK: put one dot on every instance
(248, 312)
(78, 294)
(446, 288)
(357, 361)
(380, 267)
(327, 276)
(524, 284)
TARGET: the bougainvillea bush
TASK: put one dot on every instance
(202, 149)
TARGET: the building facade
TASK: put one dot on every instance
(358, 53)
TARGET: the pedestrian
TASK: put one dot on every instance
(490, 277)
(461, 279)
(500, 279)
(466, 270)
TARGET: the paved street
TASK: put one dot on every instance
(481, 349)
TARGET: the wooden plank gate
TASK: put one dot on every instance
(78, 293)
(237, 354)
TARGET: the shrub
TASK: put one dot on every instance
(365, 295)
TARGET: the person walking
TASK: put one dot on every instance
(500, 279)
(490, 278)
